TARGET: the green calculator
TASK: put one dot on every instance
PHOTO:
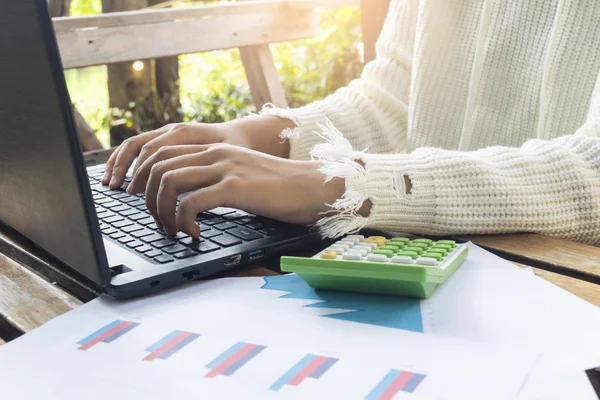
(376, 264)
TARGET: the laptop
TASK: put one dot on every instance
(48, 197)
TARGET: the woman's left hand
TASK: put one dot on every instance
(231, 176)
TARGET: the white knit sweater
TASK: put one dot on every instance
(491, 108)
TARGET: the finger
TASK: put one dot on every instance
(128, 150)
(176, 135)
(159, 169)
(140, 178)
(109, 166)
(200, 201)
(184, 180)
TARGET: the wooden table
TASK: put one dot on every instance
(28, 300)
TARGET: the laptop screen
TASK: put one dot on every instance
(43, 186)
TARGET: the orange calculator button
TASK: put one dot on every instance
(329, 254)
(378, 240)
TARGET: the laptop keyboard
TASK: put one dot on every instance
(124, 219)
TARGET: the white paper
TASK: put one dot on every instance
(480, 336)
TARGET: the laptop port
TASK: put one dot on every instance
(190, 275)
(118, 270)
(256, 255)
(233, 260)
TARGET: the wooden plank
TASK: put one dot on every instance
(373, 16)
(587, 291)
(265, 85)
(148, 16)
(133, 42)
(28, 301)
(556, 255)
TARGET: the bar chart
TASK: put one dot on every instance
(310, 366)
(107, 333)
(233, 359)
(170, 344)
(394, 382)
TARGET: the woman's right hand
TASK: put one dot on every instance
(258, 133)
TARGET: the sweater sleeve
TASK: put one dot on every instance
(550, 187)
(372, 110)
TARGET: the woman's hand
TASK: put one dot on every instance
(259, 133)
(230, 176)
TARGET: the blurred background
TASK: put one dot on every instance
(123, 99)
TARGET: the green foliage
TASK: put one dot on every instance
(213, 85)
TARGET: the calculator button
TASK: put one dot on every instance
(402, 240)
(439, 251)
(338, 250)
(359, 237)
(351, 240)
(364, 246)
(390, 247)
(411, 254)
(446, 247)
(426, 261)
(402, 260)
(387, 253)
(378, 240)
(420, 245)
(360, 250)
(448, 242)
(372, 245)
(352, 256)
(377, 257)
(329, 255)
(437, 256)
(426, 241)
(417, 250)
(342, 246)
(347, 242)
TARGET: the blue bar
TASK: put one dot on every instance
(383, 384)
(163, 341)
(99, 332)
(323, 368)
(412, 384)
(288, 376)
(121, 332)
(224, 356)
(179, 345)
(249, 356)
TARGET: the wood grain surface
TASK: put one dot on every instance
(556, 255)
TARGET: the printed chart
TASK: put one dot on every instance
(107, 333)
(311, 366)
(394, 382)
(233, 359)
(170, 344)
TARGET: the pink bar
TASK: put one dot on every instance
(106, 335)
(396, 386)
(309, 369)
(167, 346)
(230, 361)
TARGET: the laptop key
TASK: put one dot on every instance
(103, 200)
(220, 211)
(225, 225)
(114, 218)
(159, 244)
(174, 249)
(112, 204)
(203, 216)
(121, 224)
(132, 228)
(244, 233)
(255, 225)
(154, 237)
(134, 244)
(129, 198)
(120, 196)
(163, 259)
(104, 226)
(185, 254)
(146, 221)
(142, 233)
(144, 248)
(117, 235)
(244, 221)
(128, 211)
(226, 240)
(152, 253)
(142, 207)
(120, 208)
(269, 231)
(213, 221)
(126, 239)
(210, 233)
(203, 246)
(105, 214)
(138, 216)
(236, 215)
(137, 202)
(152, 226)
(112, 193)
(109, 231)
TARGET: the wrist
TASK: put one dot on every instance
(262, 133)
